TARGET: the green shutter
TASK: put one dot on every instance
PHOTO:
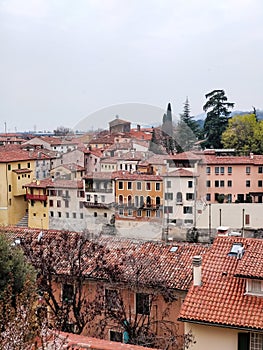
(243, 341)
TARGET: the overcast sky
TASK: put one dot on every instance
(63, 60)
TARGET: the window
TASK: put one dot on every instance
(260, 169)
(129, 185)
(105, 215)
(229, 170)
(74, 215)
(247, 183)
(9, 188)
(28, 165)
(247, 169)
(136, 201)
(222, 183)
(59, 214)
(168, 184)
(51, 214)
(208, 170)
(187, 210)
(121, 185)
(208, 197)
(121, 212)
(168, 209)
(120, 200)
(111, 299)
(243, 341)
(229, 183)
(216, 183)
(229, 198)
(188, 221)
(179, 197)
(254, 286)
(208, 183)
(58, 204)
(67, 293)
(19, 166)
(148, 213)
(139, 186)
(190, 196)
(247, 219)
(148, 186)
(60, 193)
(67, 215)
(222, 170)
(139, 213)
(190, 184)
(67, 203)
(95, 214)
(256, 341)
(259, 183)
(9, 166)
(217, 170)
(168, 196)
(115, 336)
(102, 198)
(88, 197)
(142, 304)
(157, 186)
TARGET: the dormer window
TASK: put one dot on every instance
(254, 287)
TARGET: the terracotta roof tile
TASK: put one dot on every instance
(157, 262)
(58, 183)
(222, 298)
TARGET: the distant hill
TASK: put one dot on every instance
(200, 118)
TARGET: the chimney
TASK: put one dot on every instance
(197, 261)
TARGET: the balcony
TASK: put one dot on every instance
(36, 197)
(99, 190)
(96, 205)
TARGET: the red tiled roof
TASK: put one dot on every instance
(57, 183)
(156, 262)
(213, 159)
(14, 153)
(125, 175)
(80, 342)
(186, 156)
(221, 299)
(181, 173)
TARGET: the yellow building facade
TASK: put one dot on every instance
(14, 175)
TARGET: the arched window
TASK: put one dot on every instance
(148, 201)
(157, 202)
(136, 199)
(129, 200)
(120, 199)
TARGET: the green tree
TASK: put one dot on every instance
(217, 109)
(167, 126)
(187, 130)
(244, 133)
(14, 270)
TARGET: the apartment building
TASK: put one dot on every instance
(56, 204)
(138, 196)
(17, 169)
(233, 179)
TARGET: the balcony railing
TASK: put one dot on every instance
(99, 190)
(96, 205)
(36, 197)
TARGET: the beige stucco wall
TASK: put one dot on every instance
(231, 215)
(212, 338)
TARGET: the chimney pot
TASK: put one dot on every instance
(197, 262)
